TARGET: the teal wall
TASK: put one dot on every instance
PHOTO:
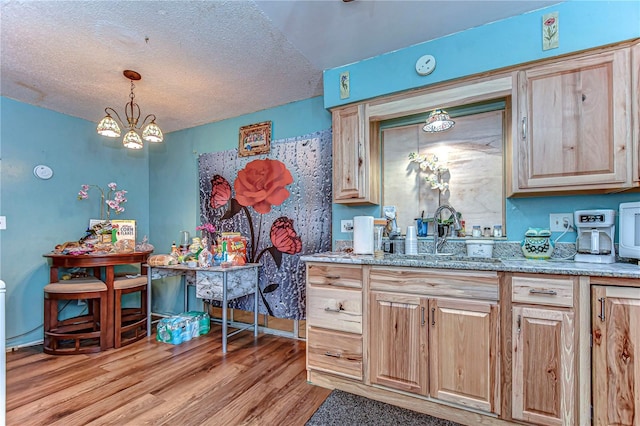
(583, 25)
(43, 213)
(162, 180)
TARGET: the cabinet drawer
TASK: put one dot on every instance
(335, 309)
(334, 352)
(543, 291)
(338, 276)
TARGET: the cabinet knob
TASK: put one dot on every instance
(333, 354)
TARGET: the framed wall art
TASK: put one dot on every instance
(255, 139)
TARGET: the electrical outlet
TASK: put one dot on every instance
(346, 225)
(3, 222)
(557, 221)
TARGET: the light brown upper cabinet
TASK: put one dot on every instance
(635, 98)
(356, 162)
(573, 124)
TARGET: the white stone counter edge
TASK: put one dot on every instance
(615, 270)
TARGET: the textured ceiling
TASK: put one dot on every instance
(205, 61)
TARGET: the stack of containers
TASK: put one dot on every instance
(411, 241)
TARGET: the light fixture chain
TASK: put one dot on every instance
(132, 95)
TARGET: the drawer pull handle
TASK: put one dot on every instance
(332, 277)
(338, 309)
(540, 291)
(334, 355)
(433, 317)
(601, 314)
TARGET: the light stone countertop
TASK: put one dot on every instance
(564, 267)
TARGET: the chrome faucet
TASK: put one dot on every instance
(437, 241)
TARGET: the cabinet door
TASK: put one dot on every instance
(355, 163)
(616, 355)
(574, 124)
(543, 366)
(398, 341)
(635, 99)
(463, 348)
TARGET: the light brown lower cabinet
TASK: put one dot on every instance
(463, 353)
(616, 355)
(398, 339)
(441, 347)
(543, 365)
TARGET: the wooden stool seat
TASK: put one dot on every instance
(130, 323)
(84, 333)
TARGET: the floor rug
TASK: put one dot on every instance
(342, 408)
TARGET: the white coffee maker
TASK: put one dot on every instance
(596, 230)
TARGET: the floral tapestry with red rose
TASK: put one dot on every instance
(282, 204)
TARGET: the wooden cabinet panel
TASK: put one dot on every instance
(616, 355)
(356, 161)
(543, 366)
(573, 128)
(335, 309)
(543, 291)
(332, 275)
(398, 341)
(436, 282)
(463, 346)
(335, 352)
(635, 99)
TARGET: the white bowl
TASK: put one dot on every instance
(479, 248)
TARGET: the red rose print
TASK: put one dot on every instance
(550, 22)
(220, 191)
(261, 184)
(284, 237)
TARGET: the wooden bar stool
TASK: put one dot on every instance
(80, 334)
(130, 323)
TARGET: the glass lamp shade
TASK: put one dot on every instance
(108, 127)
(438, 121)
(132, 140)
(152, 133)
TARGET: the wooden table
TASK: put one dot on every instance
(97, 263)
(214, 283)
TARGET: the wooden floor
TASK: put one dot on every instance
(261, 381)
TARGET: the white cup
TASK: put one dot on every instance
(411, 232)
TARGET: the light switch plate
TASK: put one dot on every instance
(3, 222)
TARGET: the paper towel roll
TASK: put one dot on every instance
(363, 234)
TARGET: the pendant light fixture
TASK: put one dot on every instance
(109, 127)
(438, 121)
